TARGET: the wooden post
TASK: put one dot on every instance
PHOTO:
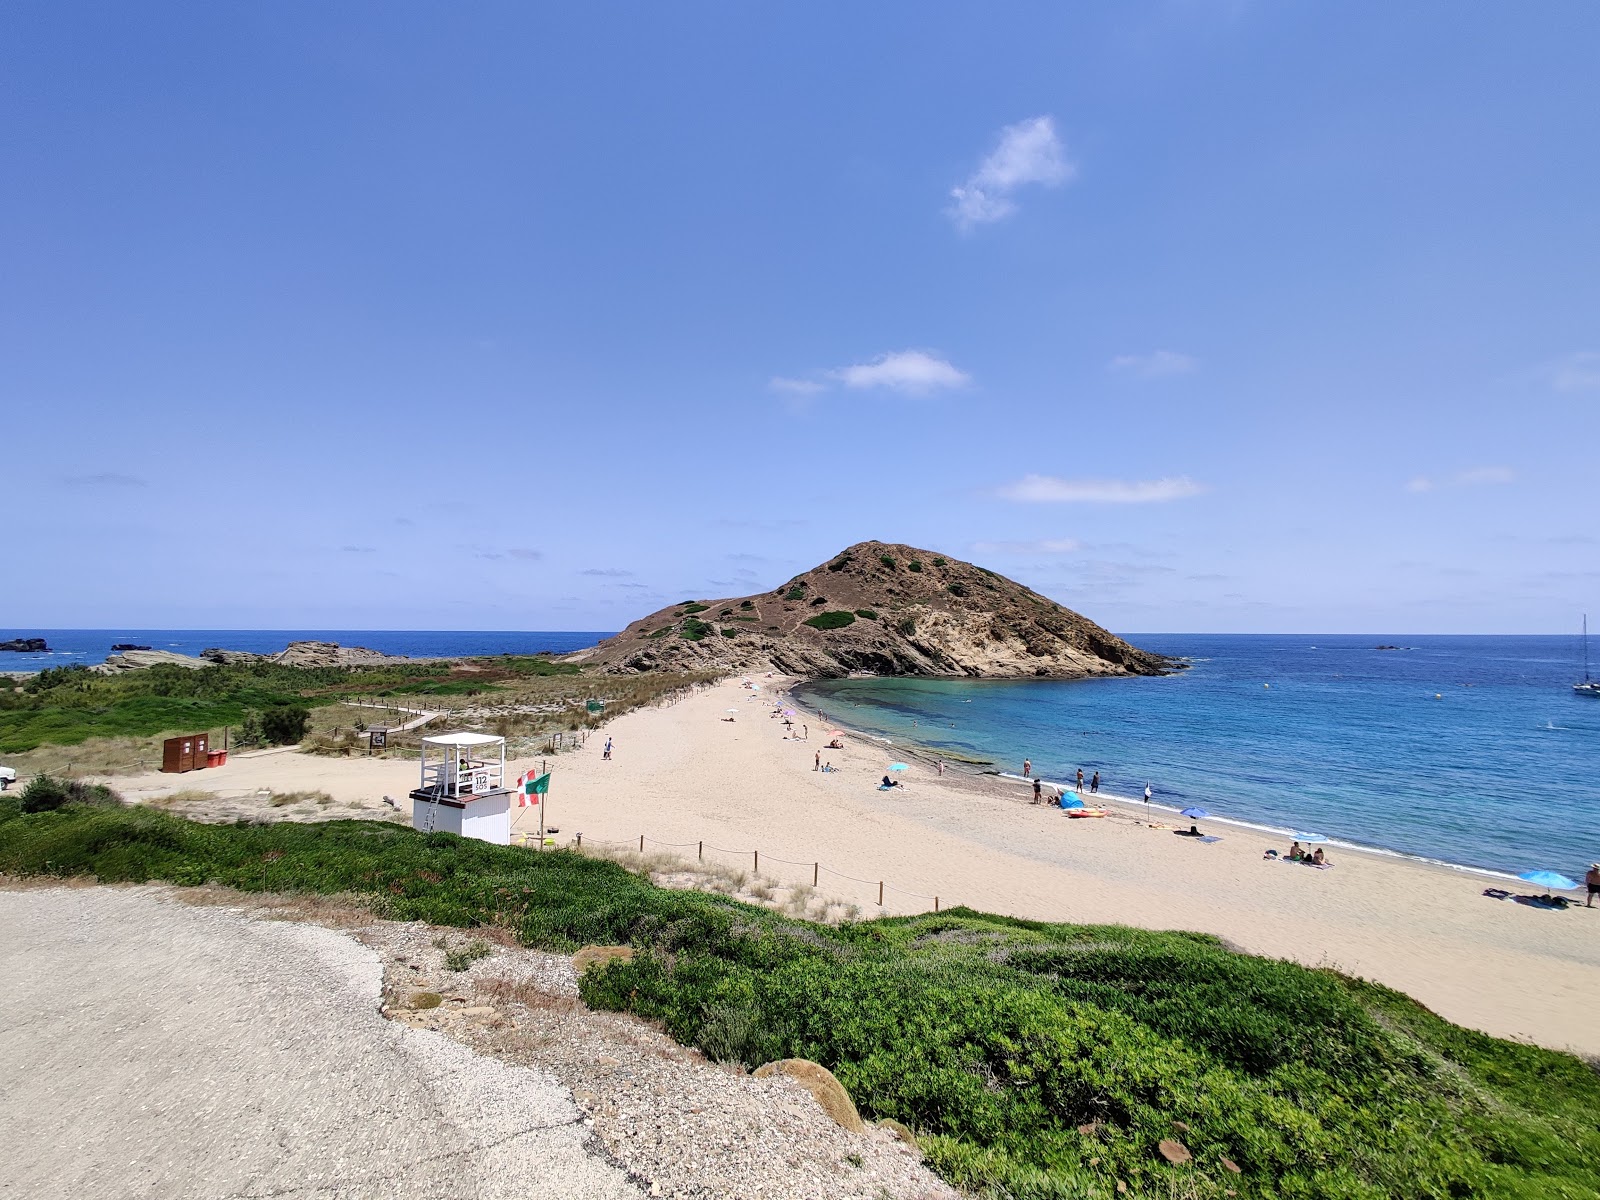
(700, 855)
(756, 869)
(880, 893)
(580, 841)
(936, 904)
(816, 869)
(641, 843)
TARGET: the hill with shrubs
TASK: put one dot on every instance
(882, 608)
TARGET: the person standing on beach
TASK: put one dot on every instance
(607, 754)
(806, 732)
(1592, 881)
(941, 768)
(1094, 784)
(1038, 792)
(1027, 767)
(818, 764)
(1080, 781)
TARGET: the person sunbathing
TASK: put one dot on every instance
(1318, 857)
(836, 744)
(890, 783)
(1192, 831)
(1295, 853)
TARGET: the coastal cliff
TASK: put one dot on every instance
(883, 608)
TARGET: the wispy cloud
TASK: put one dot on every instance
(525, 554)
(1028, 152)
(358, 549)
(106, 479)
(1047, 489)
(1038, 546)
(915, 372)
(1159, 364)
(1578, 372)
(606, 572)
(1475, 477)
(796, 387)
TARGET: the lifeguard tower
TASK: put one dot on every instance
(462, 789)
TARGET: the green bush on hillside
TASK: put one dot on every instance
(837, 619)
(694, 607)
(866, 614)
(887, 560)
(797, 592)
(939, 562)
(1035, 1061)
(45, 793)
(285, 724)
(694, 629)
(915, 565)
(957, 588)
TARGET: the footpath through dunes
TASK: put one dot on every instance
(683, 774)
(881, 607)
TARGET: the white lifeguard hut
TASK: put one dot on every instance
(462, 788)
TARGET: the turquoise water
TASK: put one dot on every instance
(1468, 750)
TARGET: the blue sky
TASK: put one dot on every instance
(1198, 315)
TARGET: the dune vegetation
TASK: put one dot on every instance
(1031, 1059)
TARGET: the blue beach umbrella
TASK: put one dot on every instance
(1071, 802)
(1309, 837)
(1195, 814)
(898, 767)
(1549, 879)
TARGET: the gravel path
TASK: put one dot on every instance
(154, 1049)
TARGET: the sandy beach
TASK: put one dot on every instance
(684, 775)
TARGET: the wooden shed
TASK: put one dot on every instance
(186, 753)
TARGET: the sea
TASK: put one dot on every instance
(1472, 752)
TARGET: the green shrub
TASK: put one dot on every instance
(462, 957)
(866, 614)
(957, 588)
(907, 626)
(837, 619)
(939, 562)
(797, 592)
(45, 793)
(662, 632)
(914, 565)
(747, 604)
(694, 629)
(887, 560)
(285, 724)
(691, 608)
(840, 563)
(730, 633)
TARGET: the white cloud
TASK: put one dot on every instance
(1157, 365)
(1577, 372)
(1474, 477)
(904, 371)
(912, 371)
(1039, 546)
(1047, 489)
(1029, 152)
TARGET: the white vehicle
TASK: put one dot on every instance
(8, 776)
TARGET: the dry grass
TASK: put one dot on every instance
(529, 995)
(97, 756)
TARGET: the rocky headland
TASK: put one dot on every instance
(880, 608)
(296, 654)
(26, 646)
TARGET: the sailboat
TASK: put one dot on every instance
(1589, 687)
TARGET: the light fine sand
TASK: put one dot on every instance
(683, 774)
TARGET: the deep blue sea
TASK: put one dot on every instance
(1467, 750)
(68, 646)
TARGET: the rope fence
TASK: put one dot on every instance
(757, 858)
